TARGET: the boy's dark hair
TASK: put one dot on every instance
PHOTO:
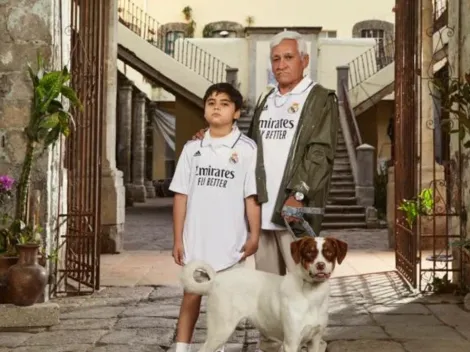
(233, 93)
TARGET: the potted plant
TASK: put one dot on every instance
(20, 238)
(422, 205)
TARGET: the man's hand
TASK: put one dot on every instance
(249, 248)
(200, 134)
(292, 202)
(178, 253)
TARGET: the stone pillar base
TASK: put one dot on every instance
(150, 189)
(112, 239)
(112, 211)
(365, 196)
(138, 193)
(372, 220)
(129, 196)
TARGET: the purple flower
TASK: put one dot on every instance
(6, 183)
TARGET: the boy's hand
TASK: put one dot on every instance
(249, 248)
(178, 253)
(200, 134)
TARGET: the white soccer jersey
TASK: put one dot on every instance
(278, 123)
(216, 174)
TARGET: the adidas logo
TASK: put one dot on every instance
(198, 153)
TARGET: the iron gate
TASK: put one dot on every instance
(78, 232)
(427, 156)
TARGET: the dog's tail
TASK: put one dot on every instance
(207, 274)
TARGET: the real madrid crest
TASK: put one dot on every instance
(293, 108)
(234, 158)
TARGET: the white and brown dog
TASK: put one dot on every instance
(291, 309)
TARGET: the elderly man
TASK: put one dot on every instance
(295, 126)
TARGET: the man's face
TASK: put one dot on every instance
(220, 110)
(287, 64)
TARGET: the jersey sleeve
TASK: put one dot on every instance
(181, 178)
(250, 176)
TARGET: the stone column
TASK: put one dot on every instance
(431, 172)
(125, 130)
(138, 147)
(112, 185)
(149, 187)
(365, 191)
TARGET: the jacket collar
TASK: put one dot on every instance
(229, 140)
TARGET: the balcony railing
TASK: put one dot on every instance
(182, 50)
(370, 62)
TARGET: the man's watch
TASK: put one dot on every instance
(299, 196)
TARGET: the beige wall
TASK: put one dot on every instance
(231, 51)
(373, 125)
(189, 120)
(339, 15)
(337, 52)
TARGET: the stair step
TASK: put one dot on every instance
(343, 185)
(341, 192)
(341, 154)
(344, 225)
(342, 169)
(342, 177)
(344, 209)
(338, 217)
(342, 200)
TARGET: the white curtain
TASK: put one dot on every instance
(165, 123)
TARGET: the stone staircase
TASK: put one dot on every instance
(342, 210)
(180, 66)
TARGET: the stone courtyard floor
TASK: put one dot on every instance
(136, 310)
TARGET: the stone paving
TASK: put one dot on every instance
(368, 312)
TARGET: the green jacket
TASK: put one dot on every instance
(310, 161)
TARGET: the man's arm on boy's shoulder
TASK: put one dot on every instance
(252, 208)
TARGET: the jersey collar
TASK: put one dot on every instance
(303, 85)
(229, 140)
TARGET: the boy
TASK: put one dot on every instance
(215, 187)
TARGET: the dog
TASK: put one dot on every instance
(290, 309)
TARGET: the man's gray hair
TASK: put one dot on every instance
(301, 43)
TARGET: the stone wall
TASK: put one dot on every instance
(26, 28)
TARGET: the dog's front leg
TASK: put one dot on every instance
(317, 344)
(292, 336)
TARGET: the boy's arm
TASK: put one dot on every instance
(252, 208)
(179, 214)
(180, 186)
(253, 213)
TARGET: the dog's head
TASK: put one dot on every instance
(317, 256)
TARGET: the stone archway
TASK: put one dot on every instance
(214, 29)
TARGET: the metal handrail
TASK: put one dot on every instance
(182, 50)
(372, 61)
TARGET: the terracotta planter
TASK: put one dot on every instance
(26, 279)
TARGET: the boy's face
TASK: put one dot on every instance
(220, 110)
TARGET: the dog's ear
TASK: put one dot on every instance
(341, 249)
(295, 247)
